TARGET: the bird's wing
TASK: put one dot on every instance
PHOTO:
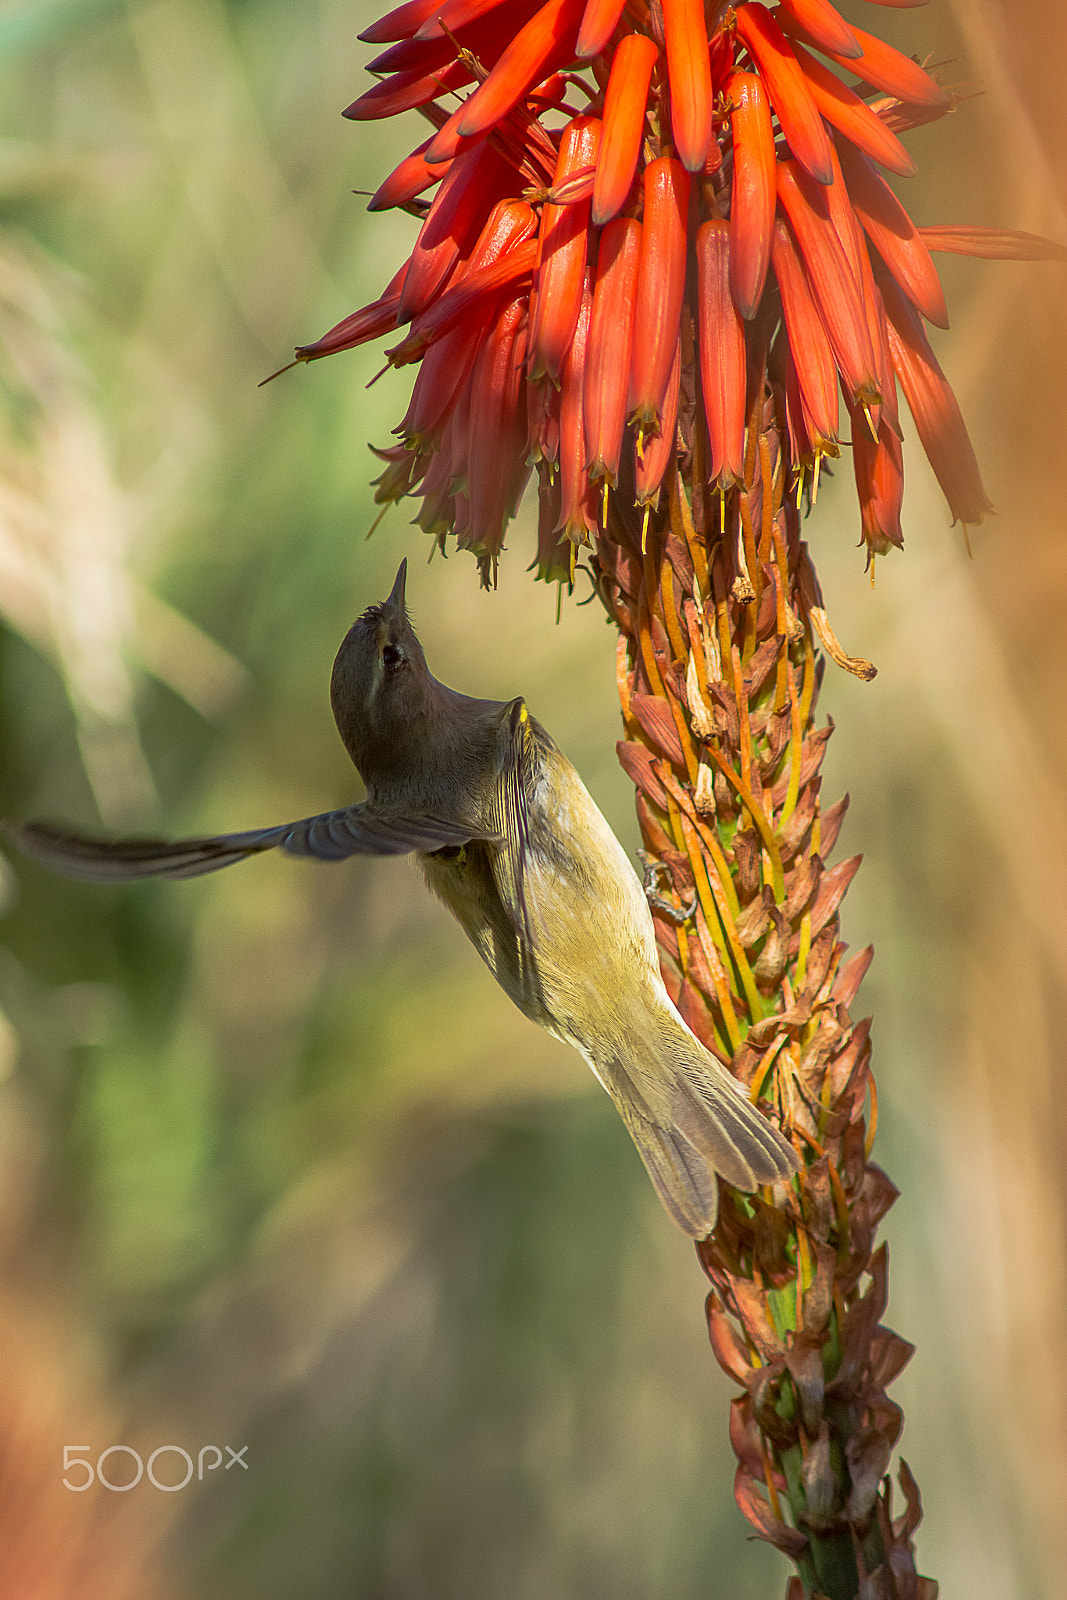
(511, 816)
(332, 836)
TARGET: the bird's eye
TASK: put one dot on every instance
(392, 656)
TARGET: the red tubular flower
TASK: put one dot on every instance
(894, 235)
(881, 66)
(833, 286)
(528, 218)
(853, 242)
(782, 370)
(545, 42)
(624, 120)
(935, 409)
(787, 88)
(816, 371)
(722, 355)
(437, 509)
(542, 420)
(370, 322)
(406, 90)
(453, 17)
(689, 72)
(456, 436)
(504, 252)
(610, 347)
(660, 286)
(410, 178)
(826, 26)
(754, 194)
(472, 185)
(412, 55)
(577, 511)
(599, 21)
(403, 470)
(445, 368)
(471, 294)
(879, 470)
(853, 117)
(561, 264)
(402, 23)
(656, 454)
(497, 467)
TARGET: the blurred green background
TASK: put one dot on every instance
(279, 1165)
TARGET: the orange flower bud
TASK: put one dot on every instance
(413, 55)
(454, 15)
(599, 21)
(754, 194)
(660, 287)
(403, 23)
(881, 66)
(787, 88)
(405, 90)
(448, 142)
(824, 25)
(610, 347)
(844, 110)
(625, 103)
(544, 43)
(894, 235)
(689, 72)
(561, 264)
(833, 285)
(935, 409)
(411, 177)
(722, 354)
(370, 322)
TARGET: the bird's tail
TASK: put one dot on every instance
(690, 1121)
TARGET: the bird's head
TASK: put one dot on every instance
(381, 683)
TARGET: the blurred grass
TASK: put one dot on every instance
(282, 1164)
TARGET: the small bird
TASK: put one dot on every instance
(509, 838)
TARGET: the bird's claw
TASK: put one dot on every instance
(659, 901)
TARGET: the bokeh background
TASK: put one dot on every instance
(279, 1165)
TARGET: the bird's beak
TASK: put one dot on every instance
(395, 601)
